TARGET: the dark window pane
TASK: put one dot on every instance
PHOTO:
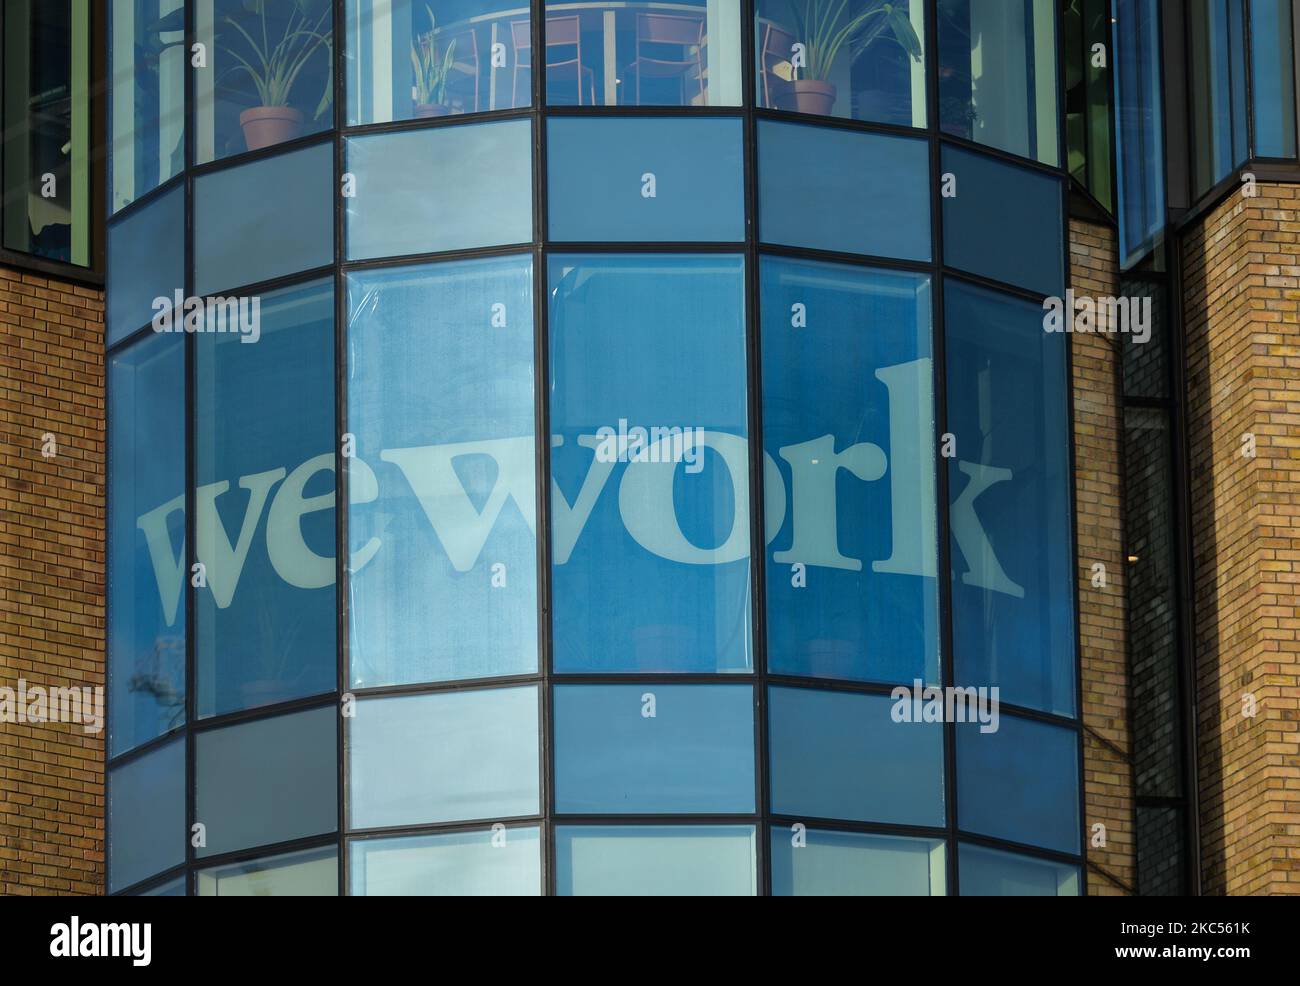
(410, 59)
(841, 755)
(309, 873)
(652, 748)
(638, 54)
(441, 521)
(263, 219)
(1019, 782)
(1084, 25)
(842, 190)
(449, 188)
(654, 523)
(863, 60)
(443, 757)
(1012, 596)
(172, 888)
(1272, 80)
(265, 624)
(1139, 127)
(655, 861)
(848, 424)
(645, 179)
(146, 541)
(269, 76)
(267, 781)
(146, 261)
(853, 864)
(146, 815)
(1218, 96)
(997, 74)
(1004, 222)
(485, 863)
(991, 873)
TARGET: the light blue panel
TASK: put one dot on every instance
(854, 864)
(988, 872)
(146, 815)
(655, 861)
(456, 864)
(146, 260)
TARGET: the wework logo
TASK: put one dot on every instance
(75, 940)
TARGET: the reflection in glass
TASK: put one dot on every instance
(146, 815)
(309, 873)
(651, 516)
(862, 60)
(146, 541)
(685, 53)
(848, 424)
(146, 260)
(1139, 127)
(655, 861)
(1085, 24)
(1216, 78)
(441, 520)
(991, 873)
(854, 864)
(504, 862)
(997, 75)
(1272, 66)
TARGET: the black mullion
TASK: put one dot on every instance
(435, 257)
(265, 851)
(145, 748)
(145, 199)
(231, 161)
(443, 828)
(342, 626)
(446, 685)
(191, 438)
(1027, 849)
(239, 716)
(871, 261)
(434, 122)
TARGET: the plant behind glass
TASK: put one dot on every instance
(431, 72)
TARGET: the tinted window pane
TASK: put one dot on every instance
(1020, 783)
(441, 523)
(263, 219)
(656, 861)
(444, 189)
(267, 781)
(146, 69)
(862, 60)
(848, 424)
(851, 864)
(146, 815)
(507, 863)
(1272, 77)
(173, 888)
(1012, 596)
(1004, 223)
(310, 873)
(654, 524)
(269, 75)
(645, 179)
(146, 260)
(654, 748)
(841, 190)
(640, 54)
(410, 59)
(1139, 126)
(990, 873)
(265, 528)
(146, 541)
(997, 74)
(1218, 95)
(841, 755)
(444, 757)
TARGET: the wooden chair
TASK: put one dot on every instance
(669, 46)
(562, 33)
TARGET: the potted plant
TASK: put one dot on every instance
(274, 59)
(431, 70)
(825, 27)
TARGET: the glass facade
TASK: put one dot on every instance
(463, 529)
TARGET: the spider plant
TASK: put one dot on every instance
(430, 69)
(826, 26)
(274, 60)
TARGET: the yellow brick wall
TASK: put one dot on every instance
(1098, 436)
(51, 579)
(1242, 310)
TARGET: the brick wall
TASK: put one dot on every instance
(1242, 311)
(51, 579)
(1098, 436)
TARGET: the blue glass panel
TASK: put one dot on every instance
(841, 755)
(652, 525)
(448, 188)
(1139, 127)
(264, 219)
(842, 190)
(146, 260)
(146, 815)
(267, 781)
(654, 748)
(172, 888)
(443, 757)
(645, 179)
(411, 59)
(848, 425)
(309, 873)
(820, 863)
(655, 861)
(1004, 222)
(146, 541)
(486, 863)
(442, 488)
(1019, 782)
(988, 872)
(1216, 77)
(265, 624)
(1272, 67)
(1009, 483)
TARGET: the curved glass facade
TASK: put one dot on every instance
(597, 479)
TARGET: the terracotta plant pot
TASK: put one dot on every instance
(267, 125)
(811, 96)
(424, 110)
